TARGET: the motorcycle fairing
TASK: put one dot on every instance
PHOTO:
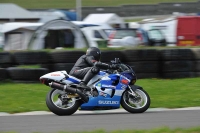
(130, 74)
(109, 95)
(72, 79)
(100, 101)
(102, 73)
(123, 82)
(56, 76)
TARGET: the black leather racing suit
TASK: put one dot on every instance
(87, 64)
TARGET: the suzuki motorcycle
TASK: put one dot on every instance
(109, 90)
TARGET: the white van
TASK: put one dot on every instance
(1, 40)
(167, 26)
(96, 35)
(1, 37)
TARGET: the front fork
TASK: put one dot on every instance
(133, 94)
(132, 91)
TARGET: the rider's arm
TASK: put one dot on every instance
(105, 66)
(102, 65)
(90, 60)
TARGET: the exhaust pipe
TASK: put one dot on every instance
(69, 89)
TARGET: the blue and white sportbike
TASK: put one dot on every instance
(109, 90)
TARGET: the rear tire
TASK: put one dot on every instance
(57, 107)
(133, 104)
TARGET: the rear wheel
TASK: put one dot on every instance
(135, 102)
(61, 103)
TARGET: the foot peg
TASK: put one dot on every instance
(83, 87)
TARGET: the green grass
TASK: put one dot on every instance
(71, 4)
(155, 130)
(134, 20)
(22, 97)
(176, 93)
(28, 66)
(168, 93)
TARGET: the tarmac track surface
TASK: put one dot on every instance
(108, 120)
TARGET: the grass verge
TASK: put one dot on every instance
(29, 66)
(155, 130)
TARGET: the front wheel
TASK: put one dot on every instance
(135, 102)
(61, 103)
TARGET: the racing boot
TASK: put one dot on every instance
(83, 84)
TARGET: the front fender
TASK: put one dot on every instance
(135, 87)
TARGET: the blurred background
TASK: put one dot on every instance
(120, 26)
(51, 24)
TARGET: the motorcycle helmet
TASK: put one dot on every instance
(95, 52)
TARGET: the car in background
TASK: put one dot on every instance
(156, 38)
(123, 37)
(1, 40)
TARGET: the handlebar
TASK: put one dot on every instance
(116, 61)
(122, 67)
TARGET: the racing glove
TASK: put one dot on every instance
(106, 66)
(114, 66)
(101, 65)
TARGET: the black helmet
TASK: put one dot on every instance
(95, 52)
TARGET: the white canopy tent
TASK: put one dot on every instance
(54, 29)
(16, 35)
(105, 18)
(22, 36)
(7, 27)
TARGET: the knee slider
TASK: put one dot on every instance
(95, 70)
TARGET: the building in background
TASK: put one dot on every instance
(14, 13)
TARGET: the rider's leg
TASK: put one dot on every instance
(79, 73)
(89, 75)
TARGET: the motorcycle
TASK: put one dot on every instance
(109, 90)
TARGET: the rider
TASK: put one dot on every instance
(88, 65)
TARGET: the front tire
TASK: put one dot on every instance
(135, 104)
(60, 104)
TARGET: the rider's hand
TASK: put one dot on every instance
(114, 66)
